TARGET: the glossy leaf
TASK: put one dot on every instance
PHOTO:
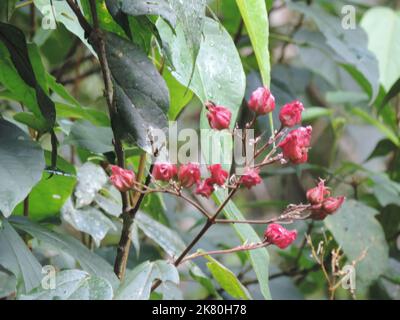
(227, 279)
(141, 95)
(21, 166)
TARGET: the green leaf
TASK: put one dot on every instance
(59, 11)
(6, 9)
(29, 119)
(141, 8)
(88, 219)
(21, 166)
(89, 261)
(96, 117)
(349, 46)
(383, 148)
(259, 258)
(137, 283)
(357, 231)
(87, 136)
(141, 95)
(190, 15)
(180, 96)
(386, 191)
(49, 195)
(393, 92)
(380, 126)
(73, 285)
(255, 17)
(218, 74)
(382, 25)
(313, 113)
(227, 279)
(14, 39)
(16, 257)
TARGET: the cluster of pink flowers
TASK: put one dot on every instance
(294, 146)
(322, 203)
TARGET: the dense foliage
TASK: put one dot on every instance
(93, 205)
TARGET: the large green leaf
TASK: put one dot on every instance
(141, 95)
(16, 257)
(190, 15)
(89, 261)
(218, 74)
(137, 283)
(21, 166)
(383, 28)
(6, 9)
(357, 231)
(73, 285)
(227, 279)
(14, 39)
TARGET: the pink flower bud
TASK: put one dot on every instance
(122, 179)
(262, 101)
(218, 117)
(189, 174)
(279, 236)
(296, 144)
(205, 188)
(331, 204)
(290, 114)
(250, 178)
(218, 175)
(316, 195)
(164, 171)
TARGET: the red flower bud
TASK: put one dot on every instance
(262, 101)
(331, 204)
(296, 144)
(189, 174)
(218, 175)
(218, 117)
(290, 114)
(205, 188)
(122, 179)
(279, 236)
(250, 178)
(316, 195)
(164, 171)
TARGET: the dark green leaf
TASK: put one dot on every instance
(383, 148)
(14, 39)
(393, 92)
(21, 166)
(141, 95)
